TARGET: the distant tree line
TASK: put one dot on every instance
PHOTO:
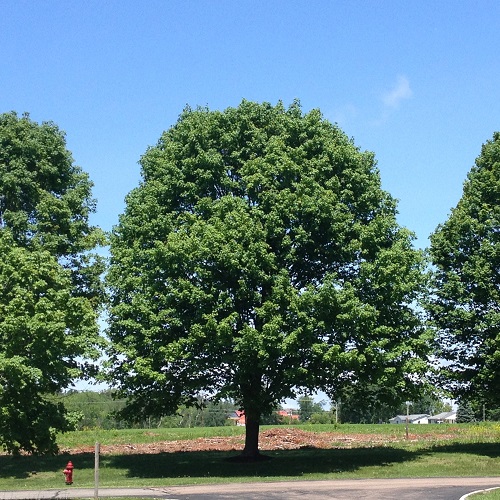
(91, 409)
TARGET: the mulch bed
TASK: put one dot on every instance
(271, 439)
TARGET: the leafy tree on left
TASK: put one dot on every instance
(50, 287)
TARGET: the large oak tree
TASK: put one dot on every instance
(50, 289)
(258, 258)
(465, 305)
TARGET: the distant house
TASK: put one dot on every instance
(238, 417)
(448, 417)
(412, 419)
(288, 414)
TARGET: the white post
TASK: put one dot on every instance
(96, 471)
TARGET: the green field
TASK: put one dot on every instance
(433, 450)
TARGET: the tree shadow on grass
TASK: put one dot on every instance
(285, 463)
(24, 466)
(491, 450)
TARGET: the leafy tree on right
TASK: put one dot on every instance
(465, 303)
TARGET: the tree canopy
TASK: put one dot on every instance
(258, 258)
(465, 305)
(49, 282)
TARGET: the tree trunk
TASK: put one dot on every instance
(252, 425)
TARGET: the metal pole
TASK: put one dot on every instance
(96, 471)
(407, 417)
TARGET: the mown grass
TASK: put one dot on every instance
(487, 495)
(440, 450)
(141, 436)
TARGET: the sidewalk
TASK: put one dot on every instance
(447, 488)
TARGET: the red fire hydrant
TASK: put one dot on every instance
(68, 472)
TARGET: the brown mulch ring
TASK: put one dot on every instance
(271, 439)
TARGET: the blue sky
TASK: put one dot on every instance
(416, 82)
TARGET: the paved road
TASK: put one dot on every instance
(373, 489)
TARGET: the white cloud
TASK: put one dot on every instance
(400, 92)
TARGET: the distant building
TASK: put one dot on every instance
(238, 417)
(448, 417)
(412, 419)
(288, 414)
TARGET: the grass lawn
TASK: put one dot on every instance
(487, 495)
(437, 450)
